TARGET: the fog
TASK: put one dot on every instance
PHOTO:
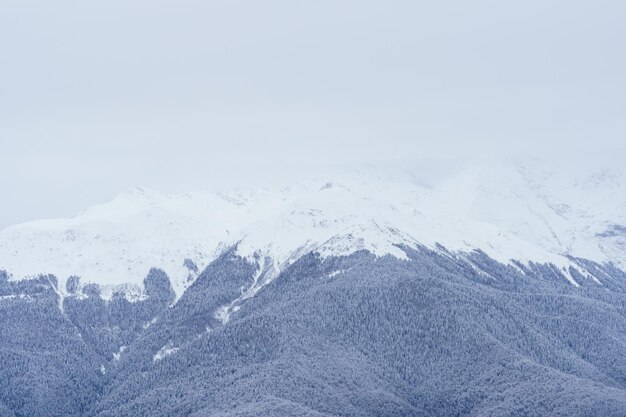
(97, 97)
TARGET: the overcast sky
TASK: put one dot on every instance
(99, 96)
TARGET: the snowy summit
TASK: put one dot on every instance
(510, 210)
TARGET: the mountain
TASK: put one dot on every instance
(497, 290)
(508, 209)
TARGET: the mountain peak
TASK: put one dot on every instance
(507, 209)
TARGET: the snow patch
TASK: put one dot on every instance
(335, 273)
(117, 355)
(165, 351)
(150, 323)
(16, 297)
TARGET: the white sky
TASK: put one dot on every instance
(99, 96)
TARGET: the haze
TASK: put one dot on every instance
(99, 96)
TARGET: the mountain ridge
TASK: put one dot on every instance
(511, 210)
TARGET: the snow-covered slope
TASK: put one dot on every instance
(120, 241)
(563, 209)
(509, 210)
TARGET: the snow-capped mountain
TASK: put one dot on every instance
(510, 210)
(261, 303)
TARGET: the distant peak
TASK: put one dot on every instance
(139, 193)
